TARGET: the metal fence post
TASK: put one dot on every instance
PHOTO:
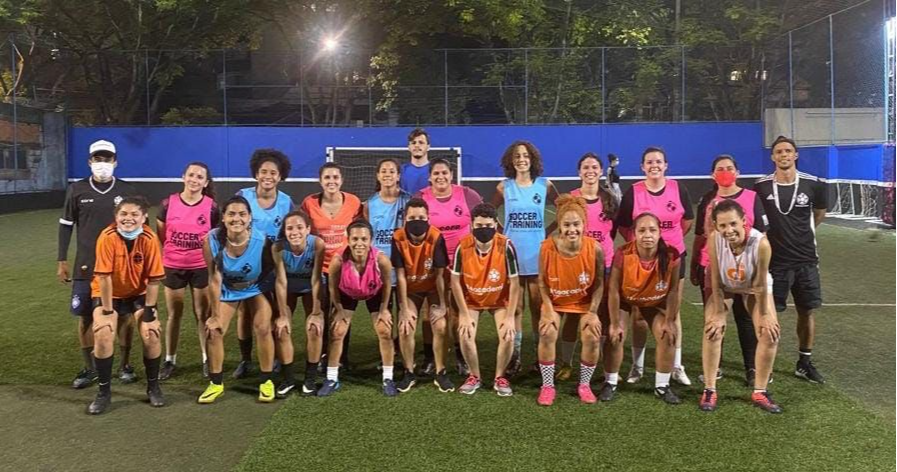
(831, 73)
(15, 113)
(526, 86)
(603, 89)
(682, 91)
(791, 86)
(370, 98)
(301, 91)
(445, 80)
(224, 84)
(146, 82)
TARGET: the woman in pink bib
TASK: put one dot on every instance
(360, 272)
(669, 201)
(182, 223)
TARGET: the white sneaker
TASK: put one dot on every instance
(680, 376)
(635, 374)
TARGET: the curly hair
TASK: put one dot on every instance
(535, 159)
(567, 202)
(261, 156)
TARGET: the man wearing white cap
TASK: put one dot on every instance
(89, 205)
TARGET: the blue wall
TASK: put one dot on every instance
(164, 151)
(874, 162)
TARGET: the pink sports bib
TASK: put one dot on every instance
(599, 227)
(360, 286)
(667, 207)
(185, 228)
(452, 217)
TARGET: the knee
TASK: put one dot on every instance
(439, 326)
(765, 340)
(589, 338)
(261, 326)
(383, 331)
(548, 335)
(338, 330)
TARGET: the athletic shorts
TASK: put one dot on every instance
(124, 306)
(372, 303)
(267, 284)
(803, 283)
(179, 278)
(81, 305)
(298, 285)
(683, 264)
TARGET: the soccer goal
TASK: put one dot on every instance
(864, 200)
(359, 164)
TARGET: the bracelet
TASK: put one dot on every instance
(108, 312)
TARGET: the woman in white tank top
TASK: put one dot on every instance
(739, 263)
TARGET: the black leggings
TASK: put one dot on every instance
(747, 337)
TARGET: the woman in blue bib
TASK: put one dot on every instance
(385, 210)
(269, 208)
(298, 259)
(238, 259)
(524, 194)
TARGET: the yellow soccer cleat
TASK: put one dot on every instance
(564, 373)
(213, 391)
(266, 392)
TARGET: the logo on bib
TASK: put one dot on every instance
(76, 302)
(428, 264)
(246, 269)
(537, 199)
(802, 199)
(494, 275)
(117, 200)
(201, 221)
(138, 258)
(661, 286)
(458, 210)
(277, 221)
(671, 206)
(736, 273)
(372, 285)
(583, 278)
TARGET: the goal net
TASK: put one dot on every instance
(864, 200)
(359, 164)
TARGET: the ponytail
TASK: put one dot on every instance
(663, 258)
(608, 202)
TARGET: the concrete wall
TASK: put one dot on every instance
(813, 126)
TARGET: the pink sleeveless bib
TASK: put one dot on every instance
(360, 286)
(599, 227)
(452, 217)
(185, 228)
(745, 199)
(666, 206)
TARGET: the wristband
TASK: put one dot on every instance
(149, 314)
(108, 312)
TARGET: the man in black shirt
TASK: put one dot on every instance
(613, 176)
(89, 205)
(795, 204)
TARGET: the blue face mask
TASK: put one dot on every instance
(130, 235)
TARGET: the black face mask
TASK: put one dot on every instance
(417, 228)
(484, 235)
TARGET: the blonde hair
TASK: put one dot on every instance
(566, 203)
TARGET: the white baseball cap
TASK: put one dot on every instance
(101, 145)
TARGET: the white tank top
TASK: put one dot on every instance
(737, 273)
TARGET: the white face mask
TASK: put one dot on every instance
(102, 171)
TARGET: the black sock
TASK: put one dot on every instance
(287, 371)
(747, 338)
(311, 370)
(458, 354)
(217, 379)
(87, 355)
(104, 372)
(264, 377)
(344, 358)
(246, 349)
(152, 369)
(805, 355)
(428, 352)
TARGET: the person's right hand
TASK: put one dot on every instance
(62, 272)
(693, 276)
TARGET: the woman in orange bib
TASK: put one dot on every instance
(645, 275)
(571, 279)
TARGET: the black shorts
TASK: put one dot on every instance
(81, 305)
(179, 278)
(683, 264)
(803, 283)
(372, 303)
(298, 285)
(124, 306)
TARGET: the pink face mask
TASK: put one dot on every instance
(724, 178)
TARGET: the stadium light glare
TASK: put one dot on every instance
(330, 44)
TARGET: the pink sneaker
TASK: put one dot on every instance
(546, 396)
(585, 394)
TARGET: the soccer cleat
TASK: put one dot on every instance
(564, 373)
(205, 369)
(546, 396)
(514, 366)
(428, 369)
(471, 385)
(84, 379)
(166, 371)
(309, 388)
(680, 376)
(213, 391)
(635, 374)
(502, 387)
(266, 392)
(154, 393)
(244, 368)
(328, 388)
(389, 388)
(127, 375)
(667, 395)
(408, 380)
(99, 404)
(284, 389)
(444, 382)
(708, 400)
(807, 371)
(585, 394)
(719, 375)
(607, 392)
(762, 400)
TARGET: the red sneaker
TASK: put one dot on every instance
(708, 400)
(585, 394)
(546, 396)
(762, 400)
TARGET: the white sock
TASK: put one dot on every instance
(612, 377)
(638, 357)
(387, 372)
(205, 357)
(567, 349)
(661, 380)
(173, 359)
(677, 361)
(333, 373)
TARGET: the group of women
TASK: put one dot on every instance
(391, 252)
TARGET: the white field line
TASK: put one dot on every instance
(834, 304)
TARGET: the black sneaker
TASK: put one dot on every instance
(99, 404)
(127, 375)
(408, 380)
(309, 388)
(244, 368)
(607, 392)
(667, 395)
(284, 389)
(389, 388)
(154, 393)
(807, 371)
(166, 371)
(84, 379)
(444, 382)
(427, 369)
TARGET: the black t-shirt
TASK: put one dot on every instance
(760, 221)
(624, 213)
(90, 206)
(792, 235)
(612, 176)
(440, 255)
(214, 217)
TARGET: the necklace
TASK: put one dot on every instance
(236, 244)
(775, 193)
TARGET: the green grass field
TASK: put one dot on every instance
(847, 424)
